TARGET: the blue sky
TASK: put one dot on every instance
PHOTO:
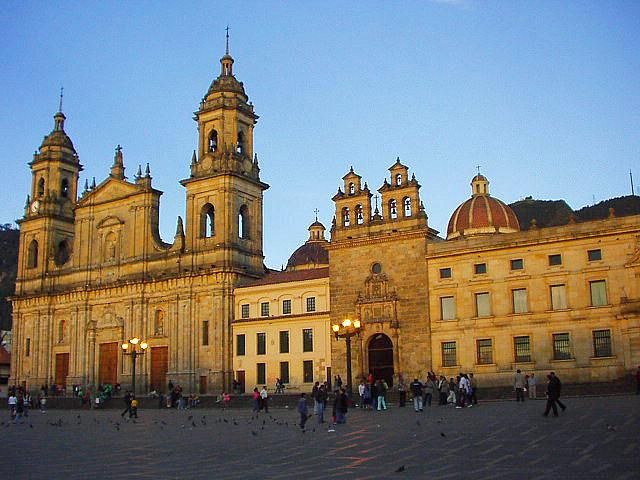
(544, 96)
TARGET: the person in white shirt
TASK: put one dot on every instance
(13, 403)
(265, 399)
(532, 386)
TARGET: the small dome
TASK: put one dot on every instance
(58, 137)
(481, 214)
(313, 254)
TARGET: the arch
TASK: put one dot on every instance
(380, 351)
(41, 187)
(359, 215)
(352, 188)
(398, 179)
(62, 253)
(158, 323)
(240, 147)
(207, 221)
(346, 219)
(62, 331)
(32, 255)
(213, 140)
(393, 209)
(64, 188)
(243, 222)
(406, 204)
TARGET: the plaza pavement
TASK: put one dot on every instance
(597, 437)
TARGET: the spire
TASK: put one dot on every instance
(227, 60)
(59, 117)
(226, 51)
(147, 171)
(93, 183)
(194, 159)
(179, 228)
(61, 95)
(117, 169)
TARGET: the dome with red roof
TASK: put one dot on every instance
(481, 214)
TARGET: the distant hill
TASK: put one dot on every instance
(9, 241)
(622, 206)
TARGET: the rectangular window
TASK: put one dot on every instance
(602, 343)
(307, 340)
(484, 350)
(286, 307)
(445, 272)
(521, 349)
(598, 293)
(561, 350)
(447, 308)
(555, 259)
(284, 372)
(205, 332)
(480, 268)
(264, 309)
(240, 345)
(517, 264)
(483, 304)
(284, 341)
(519, 300)
(261, 373)
(244, 310)
(261, 344)
(449, 354)
(594, 255)
(27, 347)
(311, 304)
(558, 297)
(307, 371)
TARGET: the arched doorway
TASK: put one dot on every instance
(381, 357)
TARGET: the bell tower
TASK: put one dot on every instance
(46, 230)
(224, 191)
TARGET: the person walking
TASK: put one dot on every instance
(381, 390)
(321, 402)
(257, 401)
(474, 389)
(341, 406)
(553, 393)
(531, 386)
(402, 392)
(265, 399)
(429, 389)
(127, 401)
(559, 386)
(303, 409)
(416, 391)
(133, 413)
(519, 385)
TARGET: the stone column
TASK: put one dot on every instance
(92, 356)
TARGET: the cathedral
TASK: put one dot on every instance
(490, 296)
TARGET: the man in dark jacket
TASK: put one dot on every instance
(340, 406)
(416, 391)
(127, 400)
(553, 395)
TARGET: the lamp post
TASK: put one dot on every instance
(134, 347)
(346, 330)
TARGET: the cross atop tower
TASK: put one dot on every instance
(478, 168)
(227, 49)
(316, 211)
(61, 95)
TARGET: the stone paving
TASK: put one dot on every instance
(595, 438)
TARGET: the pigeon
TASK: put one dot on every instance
(235, 423)
(611, 428)
(30, 426)
(442, 434)
(225, 420)
(255, 434)
(400, 469)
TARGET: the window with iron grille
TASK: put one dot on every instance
(307, 340)
(264, 309)
(522, 349)
(307, 371)
(594, 255)
(261, 344)
(284, 341)
(245, 310)
(286, 307)
(284, 372)
(484, 348)
(447, 308)
(598, 290)
(261, 373)
(311, 304)
(561, 347)
(240, 344)
(449, 354)
(602, 343)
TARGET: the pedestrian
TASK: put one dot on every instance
(531, 386)
(257, 400)
(429, 389)
(321, 402)
(559, 384)
(416, 392)
(43, 402)
(453, 389)
(26, 403)
(19, 407)
(553, 393)
(264, 396)
(474, 389)
(443, 390)
(402, 392)
(134, 407)
(519, 385)
(338, 383)
(340, 406)
(381, 390)
(303, 409)
(12, 402)
(127, 401)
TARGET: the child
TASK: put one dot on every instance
(134, 408)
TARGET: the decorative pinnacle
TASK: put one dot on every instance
(316, 212)
(227, 47)
(147, 171)
(61, 95)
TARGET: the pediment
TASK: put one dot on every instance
(110, 190)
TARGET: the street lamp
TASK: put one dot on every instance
(134, 347)
(346, 330)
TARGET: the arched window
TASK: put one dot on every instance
(62, 331)
(393, 208)
(158, 324)
(213, 141)
(243, 222)
(407, 206)
(359, 215)
(32, 256)
(398, 179)
(41, 187)
(62, 253)
(240, 146)
(352, 189)
(64, 188)
(346, 219)
(207, 221)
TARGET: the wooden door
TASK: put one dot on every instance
(159, 368)
(108, 367)
(62, 368)
(241, 381)
(203, 384)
